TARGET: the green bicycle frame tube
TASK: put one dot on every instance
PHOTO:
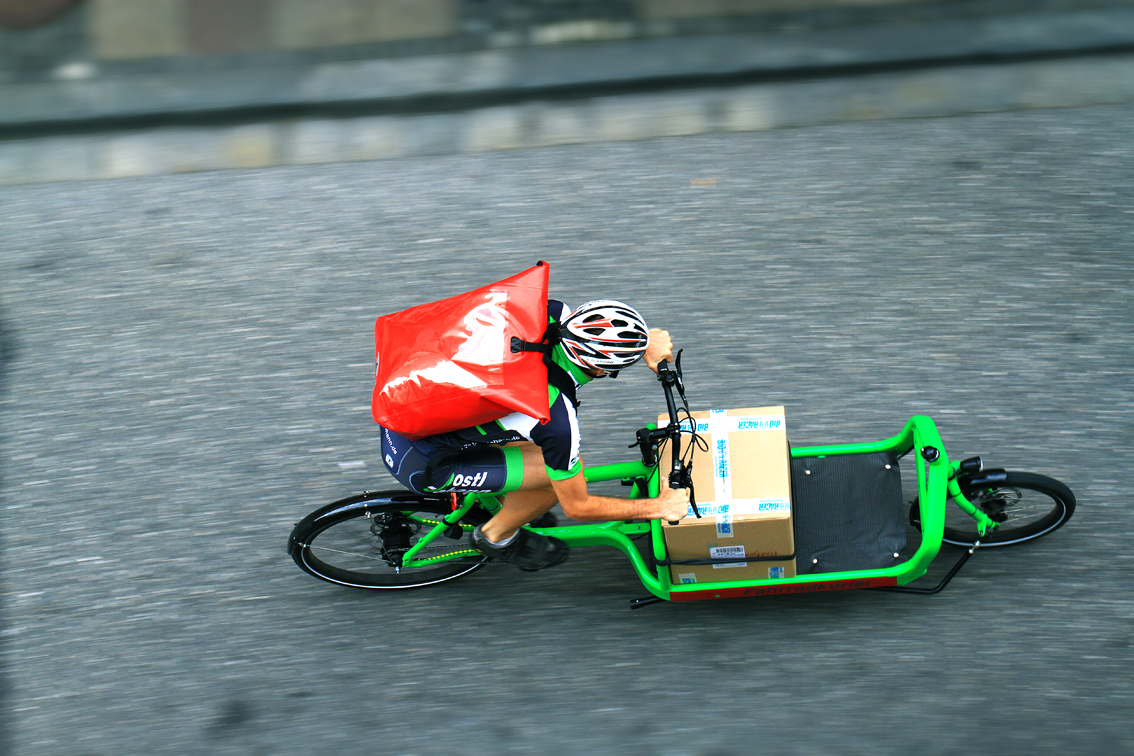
(935, 480)
(615, 533)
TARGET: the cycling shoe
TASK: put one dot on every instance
(545, 520)
(529, 551)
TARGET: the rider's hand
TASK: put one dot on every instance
(673, 503)
(660, 348)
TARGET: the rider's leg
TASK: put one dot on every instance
(534, 498)
(518, 472)
(504, 538)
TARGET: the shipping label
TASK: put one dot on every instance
(727, 552)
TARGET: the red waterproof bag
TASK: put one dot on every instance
(449, 364)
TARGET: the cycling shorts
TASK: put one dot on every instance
(483, 469)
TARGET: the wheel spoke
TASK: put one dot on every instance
(346, 553)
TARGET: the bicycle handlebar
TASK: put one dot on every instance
(679, 476)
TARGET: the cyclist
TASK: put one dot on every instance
(536, 464)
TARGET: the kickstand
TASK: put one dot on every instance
(638, 603)
(944, 581)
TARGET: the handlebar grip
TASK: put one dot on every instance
(675, 484)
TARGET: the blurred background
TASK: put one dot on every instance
(858, 209)
(146, 87)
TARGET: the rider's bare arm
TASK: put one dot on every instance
(660, 348)
(672, 504)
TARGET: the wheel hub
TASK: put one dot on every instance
(396, 534)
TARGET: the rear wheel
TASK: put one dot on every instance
(1025, 506)
(359, 542)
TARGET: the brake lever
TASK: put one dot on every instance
(683, 479)
(680, 376)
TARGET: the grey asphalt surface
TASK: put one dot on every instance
(192, 372)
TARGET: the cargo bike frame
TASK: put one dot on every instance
(402, 539)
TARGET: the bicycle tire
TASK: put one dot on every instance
(345, 542)
(1026, 505)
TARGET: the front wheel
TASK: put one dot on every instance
(359, 541)
(1025, 506)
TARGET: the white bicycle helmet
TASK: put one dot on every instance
(604, 335)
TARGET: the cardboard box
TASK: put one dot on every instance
(743, 491)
